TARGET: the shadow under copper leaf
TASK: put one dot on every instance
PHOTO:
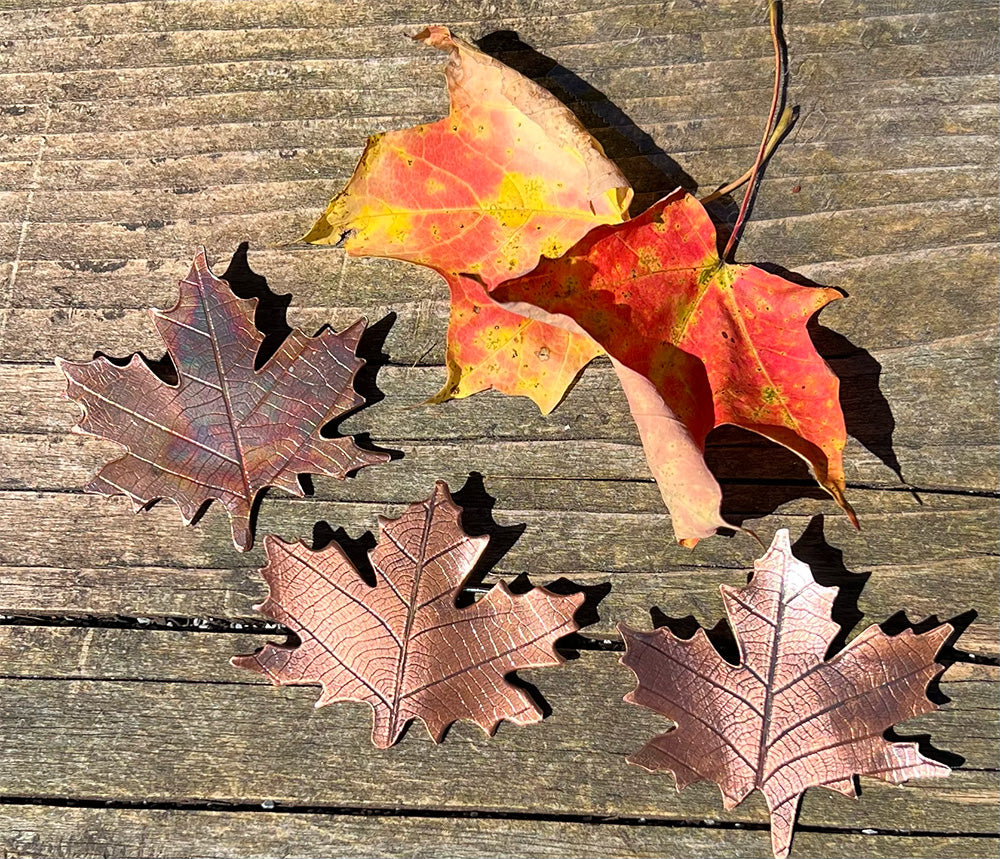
(828, 569)
(721, 635)
(477, 520)
(371, 351)
(356, 549)
(947, 657)
(270, 316)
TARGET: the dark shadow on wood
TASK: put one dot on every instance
(866, 410)
(477, 520)
(356, 549)
(651, 171)
(947, 657)
(828, 569)
(757, 475)
(370, 350)
(721, 635)
(163, 368)
(270, 315)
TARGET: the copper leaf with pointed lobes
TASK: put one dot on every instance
(509, 176)
(225, 430)
(403, 646)
(718, 343)
(785, 719)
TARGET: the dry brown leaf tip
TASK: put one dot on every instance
(402, 645)
(785, 718)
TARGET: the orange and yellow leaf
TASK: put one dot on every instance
(508, 177)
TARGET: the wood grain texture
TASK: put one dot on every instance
(182, 698)
(86, 833)
(133, 133)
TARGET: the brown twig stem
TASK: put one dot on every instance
(774, 14)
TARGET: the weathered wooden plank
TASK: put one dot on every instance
(688, 37)
(31, 18)
(558, 475)
(581, 37)
(133, 208)
(250, 106)
(947, 589)
(151, 565)
(28, 831)
(104, 302)
(641, 62)
(165, 742)
(40, 529)
(870, 231)
(735, 129)
(810, 159)
(939, 399)
(109, 739)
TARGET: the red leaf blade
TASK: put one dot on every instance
(719, 343)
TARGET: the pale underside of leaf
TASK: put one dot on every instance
(689, 490)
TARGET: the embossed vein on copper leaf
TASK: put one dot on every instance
(225, 430)
(786, 718)
(402, 645)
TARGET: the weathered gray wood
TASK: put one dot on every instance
(948, 589)
(85, 833)
(175, 693)
(944, 436)
(145, 554)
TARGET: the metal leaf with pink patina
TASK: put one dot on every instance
(402, 645)
(785, 719)
(225, 430)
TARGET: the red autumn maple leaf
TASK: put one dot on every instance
(225, 430)
(508, 176)
(786, 718)
(698, 343)
(403, 646)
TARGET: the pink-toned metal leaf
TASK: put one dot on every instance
(784, 719)
(403, 646)
(225, 431)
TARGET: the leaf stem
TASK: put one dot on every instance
(785, 123)
(774, 13)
